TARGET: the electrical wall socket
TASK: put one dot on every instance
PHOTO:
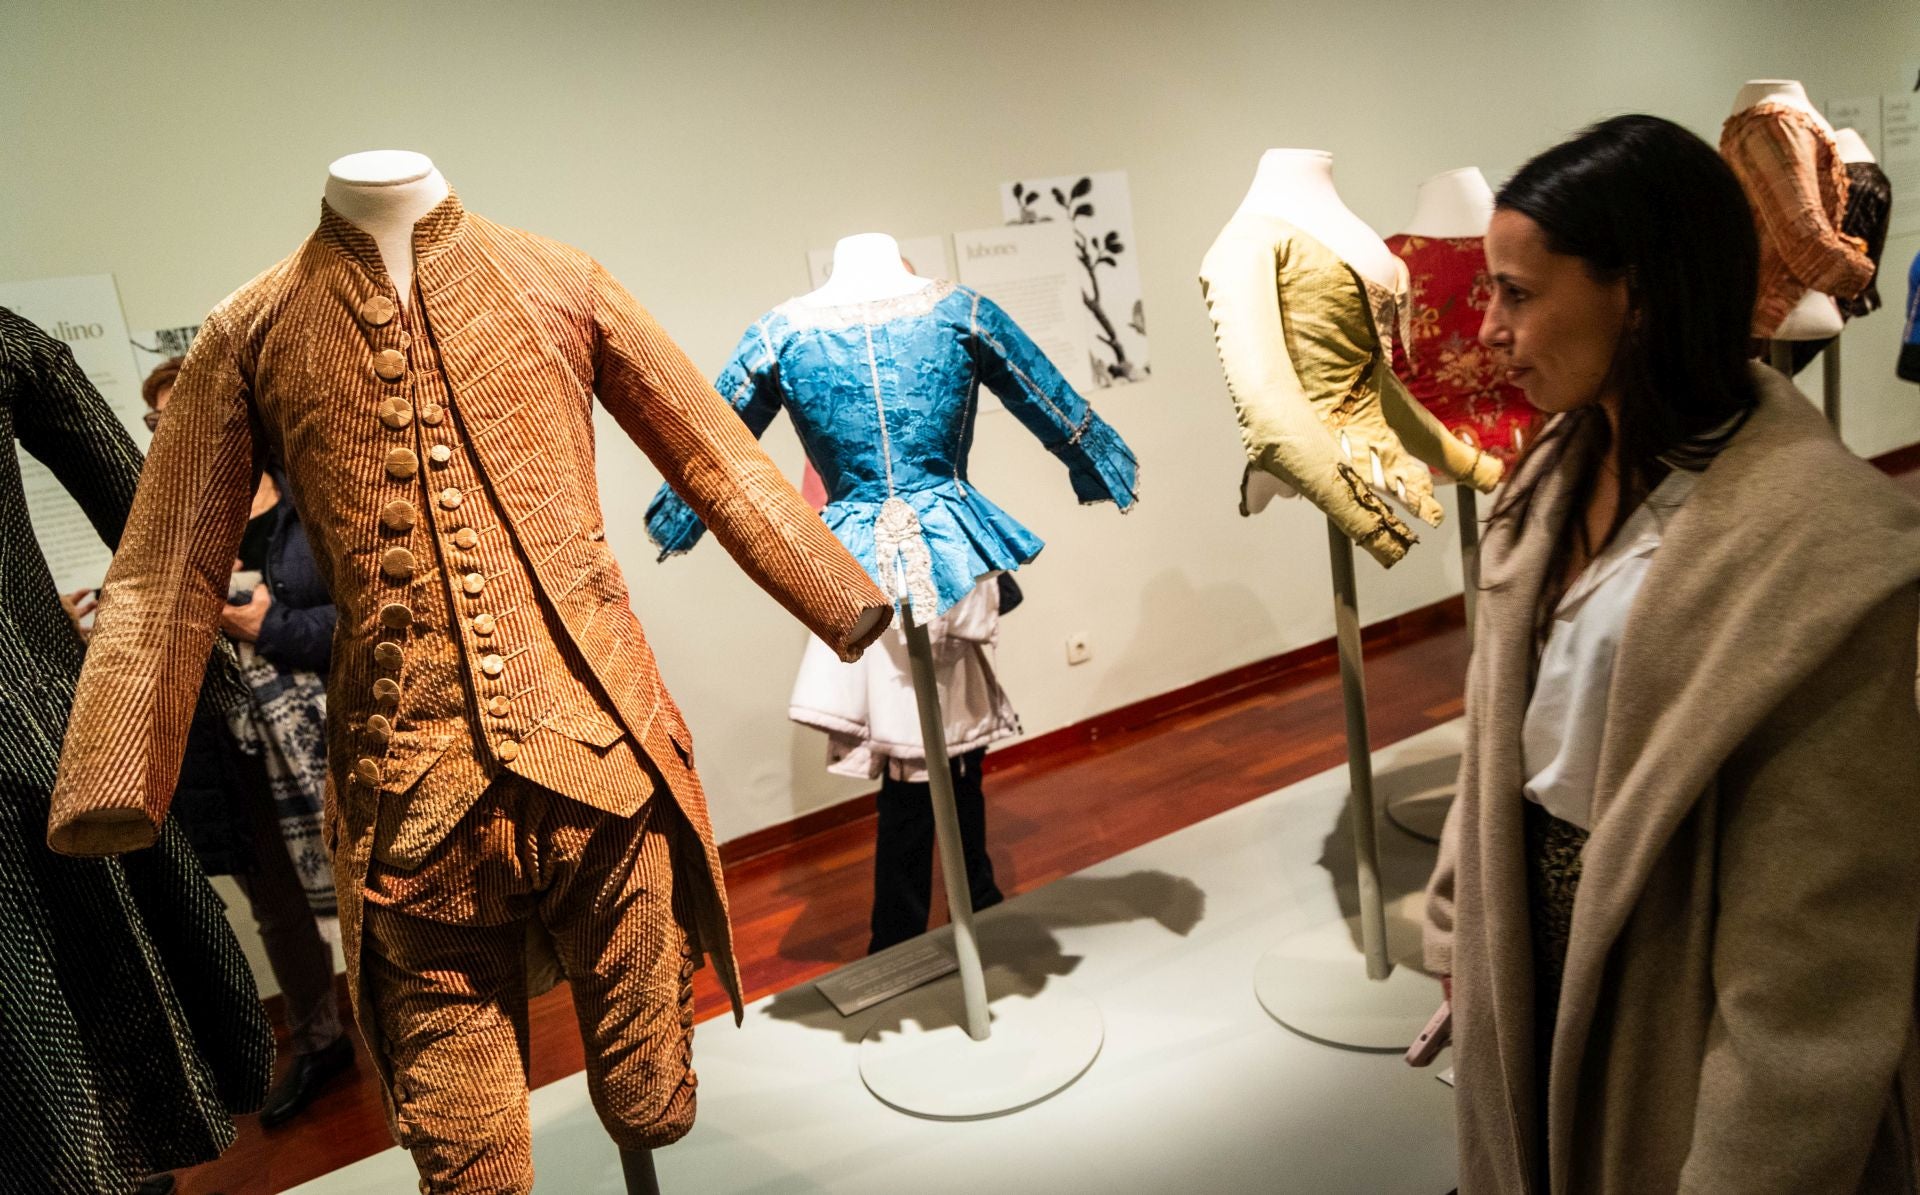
(1079, 648)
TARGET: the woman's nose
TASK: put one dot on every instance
(1494, 333)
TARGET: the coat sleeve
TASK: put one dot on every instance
(68, 427)
(747, 383)
(1815, 932)
(1240, 281)
(159, 611)
(1429, 440)
(713, 462)
(1099, 463)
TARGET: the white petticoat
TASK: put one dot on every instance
(867, 708)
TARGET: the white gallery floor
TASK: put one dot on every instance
(1196, 1088)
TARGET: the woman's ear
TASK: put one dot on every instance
(1633, 297)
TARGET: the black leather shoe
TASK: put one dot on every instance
(306, 1076)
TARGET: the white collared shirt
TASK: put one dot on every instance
(1566, 717)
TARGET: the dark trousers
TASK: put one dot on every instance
(903, 852)
(300, 958)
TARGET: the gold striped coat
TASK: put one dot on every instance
(490, 372)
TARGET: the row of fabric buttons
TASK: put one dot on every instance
(396, 414)
(396, 563)
(482, 623)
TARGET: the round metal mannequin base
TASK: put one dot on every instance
(1315, 983)
(919, 1059)
(1422, 813)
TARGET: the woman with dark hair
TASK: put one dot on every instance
(1678, 899)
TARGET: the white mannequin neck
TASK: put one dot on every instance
(1778, 91)
(383, 193)
(1458, 203)
(1852, 146)
(866, 266)
(1296, 185)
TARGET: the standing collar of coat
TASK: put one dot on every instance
(433, 234)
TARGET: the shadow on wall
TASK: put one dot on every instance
(1168, 601)
(1406, 862)
(1018, 940)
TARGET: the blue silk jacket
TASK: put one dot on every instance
(884, 395)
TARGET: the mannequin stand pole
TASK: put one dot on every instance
(930, 1054)
(946, 825)
(1469, 514)
(636, 1167)
(1309, 982)
(1830, 383)
(1780, 356)
(1423, 812)
(1353, 689)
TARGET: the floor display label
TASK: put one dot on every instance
(861, 985)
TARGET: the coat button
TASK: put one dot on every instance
(440, 454)
(397, 564)
(388, 655)
(466, 539)
(398, 515)
(508, 750)
(492, 665)
(483, 624)
(390, 364)
(396, 413)
(378, 311)
(367, 771)
(402, 464)
(473, 584)
(386, 689)
(380, 728)
(450, 498)
(499, 706)
(431, 413)
(395, 616)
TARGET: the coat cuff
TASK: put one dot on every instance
(871, 623)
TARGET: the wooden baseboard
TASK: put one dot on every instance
(1070, 742)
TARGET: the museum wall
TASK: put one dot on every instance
(700, 150)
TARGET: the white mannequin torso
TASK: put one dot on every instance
(1852, 146)
(1458, 203)
(1816, 316)
(384, 192)
(866, 266)
(1296, 185)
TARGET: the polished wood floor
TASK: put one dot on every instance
(801, 910)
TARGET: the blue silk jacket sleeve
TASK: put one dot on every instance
(1099, 463)
(747, 385)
